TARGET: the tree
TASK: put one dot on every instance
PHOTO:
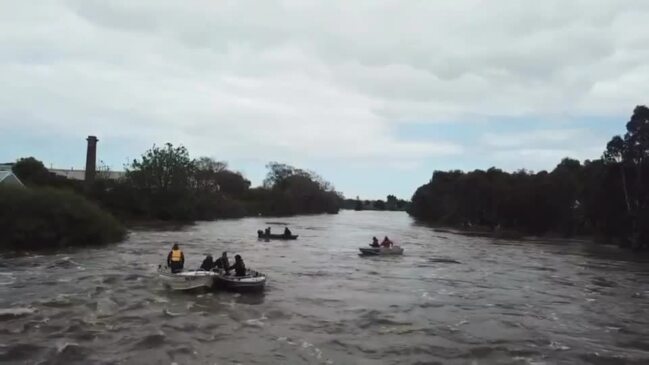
(162, 183)
(391, 202)
(632, 152)
(32, 171)
(358, 204)
(206, 172)
(162, 170)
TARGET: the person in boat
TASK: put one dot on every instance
(222, 262)
(287, 232)
(375, 242)
(386, 242)
(267, 232)
(208, 263)
(176, 259)
(239, 267)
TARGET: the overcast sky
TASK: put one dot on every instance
(373, 95)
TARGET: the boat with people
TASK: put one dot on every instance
(267, 235)
(252, 281)
(211, 274)
(387, 247)
(377, 251)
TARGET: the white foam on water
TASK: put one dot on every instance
(555, 345)
(7, 278)
(254, 323)
(171, 314)
(17, 312)
(63, 346)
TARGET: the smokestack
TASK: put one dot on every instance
(91, 159)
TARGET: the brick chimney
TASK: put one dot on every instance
(91, 159)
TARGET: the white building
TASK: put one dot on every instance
(74, 174)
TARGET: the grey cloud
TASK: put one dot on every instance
(231, 75)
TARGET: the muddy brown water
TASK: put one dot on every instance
(449, 300)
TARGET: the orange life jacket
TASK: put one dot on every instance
(176, 255)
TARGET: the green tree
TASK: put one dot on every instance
(162, 183)
(162, 169)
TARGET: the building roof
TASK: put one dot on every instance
(8, 177)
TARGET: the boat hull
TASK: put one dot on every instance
(277, 237)
(253, 281)
(381, 251)
(186, 280)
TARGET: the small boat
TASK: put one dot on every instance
(186, 280)
(271, 236)
(380, 251)
(252, 281)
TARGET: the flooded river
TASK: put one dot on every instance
(450, 300)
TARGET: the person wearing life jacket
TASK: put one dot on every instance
(176, 259)
(386, 242)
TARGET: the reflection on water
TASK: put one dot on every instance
(449, 299)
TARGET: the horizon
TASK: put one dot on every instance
(373, 97)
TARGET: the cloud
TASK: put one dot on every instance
(532, 138)
(291, 80)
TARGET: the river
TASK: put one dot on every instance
(449, 299)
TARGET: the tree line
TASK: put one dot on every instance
(607, 197)
(391, 203)
(165, 183)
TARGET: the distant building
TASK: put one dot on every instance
(80, 175)
(7, 166)
(7, 178)
(88, 175)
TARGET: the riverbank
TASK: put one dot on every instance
(517, 235)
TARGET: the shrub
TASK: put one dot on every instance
(43, 218)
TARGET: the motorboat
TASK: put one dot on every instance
(380, 251)
(252, 281)
(263, 236)
(186, 280)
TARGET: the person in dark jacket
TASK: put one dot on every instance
(208, 263)
(239, 267)
(375, 242)
(287, 232)
(386, 242)
(176, 259)
(222, 262)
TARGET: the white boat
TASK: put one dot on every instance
(252, 281)
(186, 280)
(380, 251)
